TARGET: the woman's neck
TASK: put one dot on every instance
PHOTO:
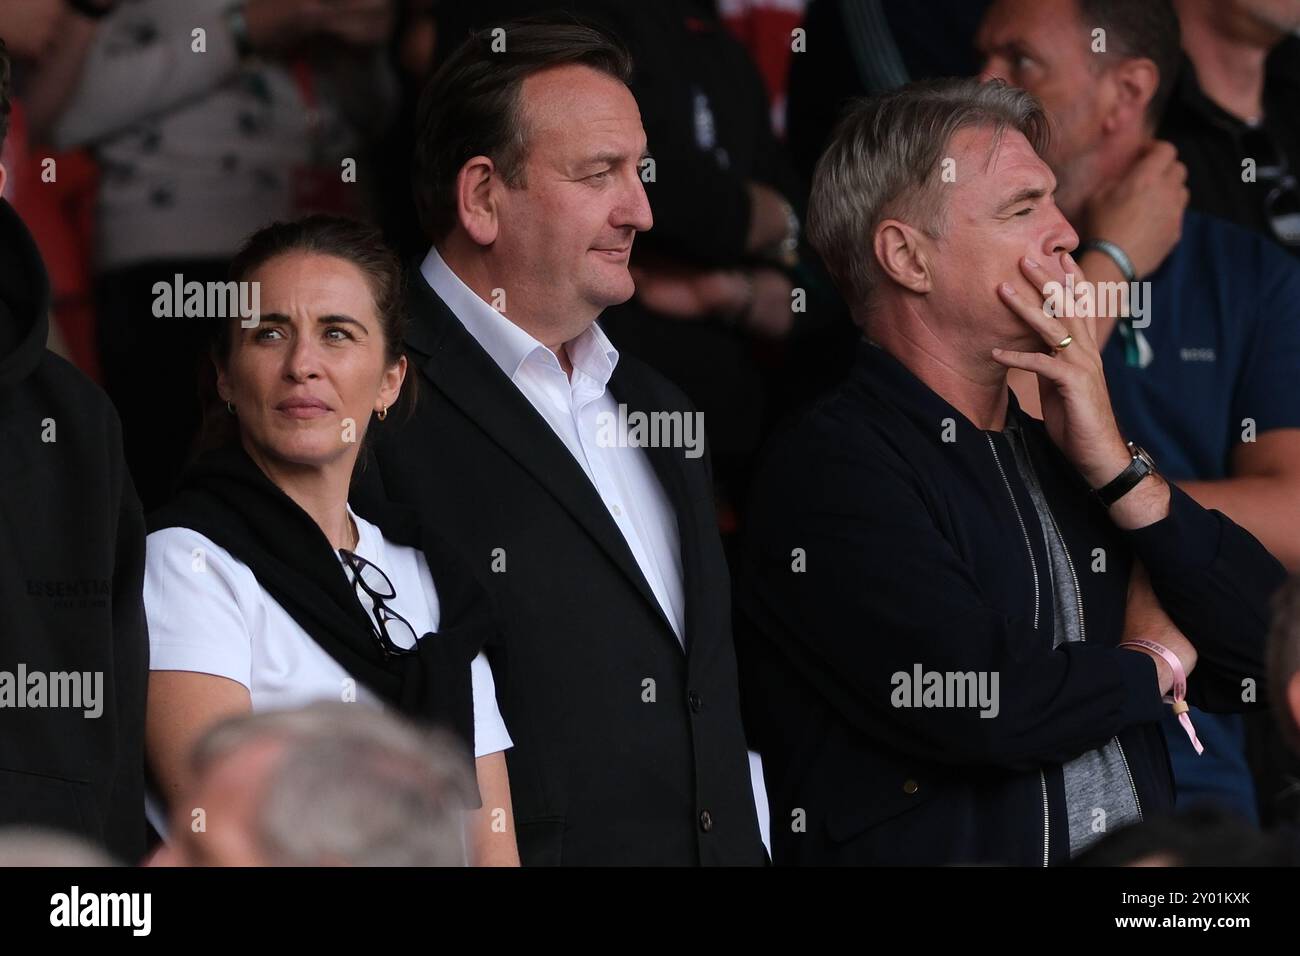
(319, 490)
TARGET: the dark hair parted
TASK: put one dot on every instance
(1140, 28)
(472, 104)
(355, 242)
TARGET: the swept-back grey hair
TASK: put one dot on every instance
(354, 785)
(885, 160)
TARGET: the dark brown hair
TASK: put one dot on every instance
(471, 106)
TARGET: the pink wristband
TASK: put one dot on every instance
(1179, 690)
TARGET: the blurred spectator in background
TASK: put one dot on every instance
(208, 119)
(1202, 836)
(413, 50)
(37, 846)
(1233, 115)
(332, 784)
(73, 644)
(1204, 377)
(766, 28)
(859, 47)
(52, 191)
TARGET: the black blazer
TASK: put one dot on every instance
(627, 750)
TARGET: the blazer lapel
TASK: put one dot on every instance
(630, 388)
(457, 365)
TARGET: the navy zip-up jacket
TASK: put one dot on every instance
(888, 532)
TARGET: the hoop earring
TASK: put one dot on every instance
(230, 407)
(383, 413)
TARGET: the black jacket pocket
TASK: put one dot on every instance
(36, 799)
(541, 841)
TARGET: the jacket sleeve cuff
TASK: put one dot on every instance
(1185, 539)
(1142, 701)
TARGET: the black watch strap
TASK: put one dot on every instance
(1138, 468)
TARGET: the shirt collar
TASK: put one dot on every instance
(886, 376)
(591, 352)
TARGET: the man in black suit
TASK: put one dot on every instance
(573, 478)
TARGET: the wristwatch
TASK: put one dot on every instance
(1141, 466)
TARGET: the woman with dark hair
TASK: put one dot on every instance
(263, 588)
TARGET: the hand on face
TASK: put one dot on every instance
(1071, 382)
(1142, 213)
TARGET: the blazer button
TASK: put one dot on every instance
(695, 701)
(910, 787)
(706, 821)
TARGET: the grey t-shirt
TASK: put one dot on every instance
(1099, 794)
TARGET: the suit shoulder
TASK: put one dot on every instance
(664, 392)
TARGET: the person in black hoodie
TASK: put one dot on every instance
(957, 622)
(73, 642)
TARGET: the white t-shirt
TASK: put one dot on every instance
(208, 614)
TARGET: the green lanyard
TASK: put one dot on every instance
(1137, 350)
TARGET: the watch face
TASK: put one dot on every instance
(1141, 453)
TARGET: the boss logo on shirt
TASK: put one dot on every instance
(1197, 355)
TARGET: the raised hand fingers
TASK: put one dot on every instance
(1087, 315)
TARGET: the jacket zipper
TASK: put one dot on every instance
(1033, 566)
(1083, 636)
(1132, 785)
(1046, 821)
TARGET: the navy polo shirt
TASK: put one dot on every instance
(1225, 335)
(1225, 338)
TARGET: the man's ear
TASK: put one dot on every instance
(898, 251)
(4, 177)
(1134, 81)
(476, 185)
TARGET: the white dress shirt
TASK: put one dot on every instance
(573, 407)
